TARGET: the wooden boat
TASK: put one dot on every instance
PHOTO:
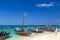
(50, 29)
(22, 32)
(4, 35)
(39, 31)
(7, 35)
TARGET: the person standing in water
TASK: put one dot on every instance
(56, 30)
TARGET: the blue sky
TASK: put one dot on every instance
(38, 12)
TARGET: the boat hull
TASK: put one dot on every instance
(40, 31)
(22, 33)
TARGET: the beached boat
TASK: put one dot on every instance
(38, 30)
(47, 28)
(22, 31)
(4, 35)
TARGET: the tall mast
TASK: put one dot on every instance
(36, 24)
(23, 19)
(46, 25)
(23, 22)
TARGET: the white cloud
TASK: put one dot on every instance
(45, 4)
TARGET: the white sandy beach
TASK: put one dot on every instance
(40, 36)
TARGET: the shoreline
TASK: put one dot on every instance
(39, 36)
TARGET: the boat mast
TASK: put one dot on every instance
(23, 20)
(46, 25)
(36, 24)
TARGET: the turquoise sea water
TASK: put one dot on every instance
(11, 27)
